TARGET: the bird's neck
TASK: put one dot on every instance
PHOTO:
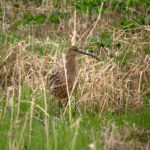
(70, 65)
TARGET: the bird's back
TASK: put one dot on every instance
(57, 84)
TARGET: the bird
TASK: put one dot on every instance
(62, 82)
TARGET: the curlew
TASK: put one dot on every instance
(63, 79)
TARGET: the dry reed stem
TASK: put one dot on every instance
(73, 39)
(46, 109)
(31, 117)
(67, 88)
(10, 142)
(22, 133)
(95, 24)
(77, 125)
(55, 135)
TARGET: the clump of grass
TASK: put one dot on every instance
(111, 87)
(19, 65)
(116, 138)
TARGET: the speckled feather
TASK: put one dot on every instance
(57, 86)
(57, 80)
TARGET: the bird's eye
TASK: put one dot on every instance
(75, 49)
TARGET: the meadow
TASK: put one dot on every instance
(113, 95)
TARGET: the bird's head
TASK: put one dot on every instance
(74, 51)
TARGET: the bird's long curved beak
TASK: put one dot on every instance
(88, 54)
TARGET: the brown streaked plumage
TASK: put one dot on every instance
(57, 80)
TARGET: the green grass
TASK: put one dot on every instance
(89, 128)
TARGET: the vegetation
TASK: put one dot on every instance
(113, 97)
